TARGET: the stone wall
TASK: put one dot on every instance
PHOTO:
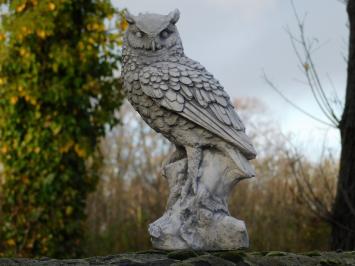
(189, 258)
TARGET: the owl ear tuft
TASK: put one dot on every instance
(174, 16)
(129, 18)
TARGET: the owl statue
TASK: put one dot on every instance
(179, 98)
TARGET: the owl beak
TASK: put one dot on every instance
(153, 45)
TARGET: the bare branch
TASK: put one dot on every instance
(316, 204)
(303, 50)
(310, 70)
(273, 86)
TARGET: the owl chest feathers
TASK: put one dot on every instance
(160, 119)
(173, 93)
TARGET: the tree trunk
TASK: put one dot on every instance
(343, 226)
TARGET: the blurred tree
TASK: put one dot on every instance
(287, 182)
(131, 192)
(342, 214)
(57, 94)
(343, 227)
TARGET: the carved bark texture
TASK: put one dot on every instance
(343, 227)
(198, 218)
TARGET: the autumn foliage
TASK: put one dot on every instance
(284, 206)
(59, 63)
(57, 95)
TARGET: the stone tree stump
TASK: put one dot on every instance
(200, 220)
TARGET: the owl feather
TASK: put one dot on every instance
(178, 97)
(193, 93)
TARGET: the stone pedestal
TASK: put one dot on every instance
(200, 219)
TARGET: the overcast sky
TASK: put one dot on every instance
(237, 40)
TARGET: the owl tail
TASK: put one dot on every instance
(244, 166)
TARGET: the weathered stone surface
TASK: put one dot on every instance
(180, 99)
(200, 258)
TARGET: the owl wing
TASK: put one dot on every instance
(192, 92)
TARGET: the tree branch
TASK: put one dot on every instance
(273, 86)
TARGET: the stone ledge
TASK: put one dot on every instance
(190, 258)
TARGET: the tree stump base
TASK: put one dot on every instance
(200, 219)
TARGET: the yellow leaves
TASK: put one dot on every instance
(101, 27)
(66, 147)
(81, 46)
(306, 66)
(11, 242)
(13, 100)
(26, 31)
(2, 81)
(93, 86)
(33, 101)
(38, 115)
(20, 7)
(51, 6)
(109, 16)
(56, 128)
(55, 67)
(30, 244)
(119, 42)
(22, 93)
(69, 210)
(24, 52)
(2, 37)
(95, 26)
(28, 98)
(50, 150)
(44, 243)
(123, 24)
(19, 37)
(79, 151)
(91, 41)
(41, 34)
(27, 139)
(4, 149)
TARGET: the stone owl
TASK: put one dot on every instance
(178, 97)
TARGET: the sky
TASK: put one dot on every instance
(239, 40)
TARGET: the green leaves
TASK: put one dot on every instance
(57, 58)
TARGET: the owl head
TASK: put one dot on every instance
(153, 34)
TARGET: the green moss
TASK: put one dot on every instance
(312, 254)
(352, 253)
(199, 258)
(276, 254)
(257, 253)
(330, 262)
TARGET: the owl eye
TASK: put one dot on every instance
(164, 34)
(139, 34)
